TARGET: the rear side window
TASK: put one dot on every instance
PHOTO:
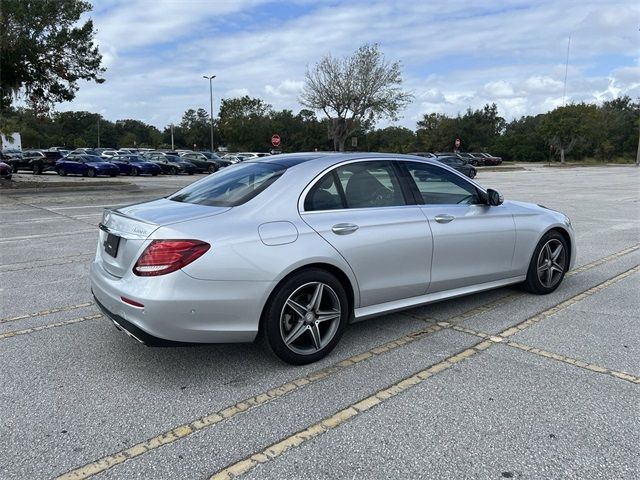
(232, 186)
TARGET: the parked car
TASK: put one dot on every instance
(40, 161)
(109, 153)
(230, 157)
(85, 151)
(205, 161)
(492, 159)
(459, 164)
(135, 165)
(12, 157)
(479, 158)
(328, 250)
(184, 165)
(5, 171)
(172, 164)
(85, 165)
(423, 154)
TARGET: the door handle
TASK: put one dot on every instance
(444, 218)
(344, 228)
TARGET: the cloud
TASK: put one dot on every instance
(454, 55)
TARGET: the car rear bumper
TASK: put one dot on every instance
(179, 308)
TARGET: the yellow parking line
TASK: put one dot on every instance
(43, 313)
(187, 429)
(182, 431)
(592, 367)
(26, 331)
(279, 448)
(567, 303)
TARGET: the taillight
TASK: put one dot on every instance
(166, 256)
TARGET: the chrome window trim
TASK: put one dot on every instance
(329, 169)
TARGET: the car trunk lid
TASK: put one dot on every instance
(126, 230)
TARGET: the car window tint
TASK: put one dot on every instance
(370, 185)
(324, 195)
(232, 186)
(438, 186)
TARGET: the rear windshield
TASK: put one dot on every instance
(232, 186)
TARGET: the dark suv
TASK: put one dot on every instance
(39, 161)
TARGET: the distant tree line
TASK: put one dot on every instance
(605, 132)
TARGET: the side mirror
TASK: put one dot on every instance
(494, 198)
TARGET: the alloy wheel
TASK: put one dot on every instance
(551, 263)
(310, 318)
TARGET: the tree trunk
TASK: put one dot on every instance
(341, 142)
(638, 153)
(562, 155)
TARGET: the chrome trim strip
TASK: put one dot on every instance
(363, 313)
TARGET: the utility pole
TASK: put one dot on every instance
(172, 136)
(98, 132)
(211, 99)
(638, 153)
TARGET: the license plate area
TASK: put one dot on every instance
(111, 244)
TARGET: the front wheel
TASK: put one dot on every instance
(135, 172)
(548, 265)
(474, 163)
(62, 172)
(91, 172)
(305, 317)
(37, 169)
(472, 174)
(213, 169)
(173, 171)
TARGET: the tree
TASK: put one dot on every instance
(45, 51)
(568, 126)
(244, 123)
(354, 89)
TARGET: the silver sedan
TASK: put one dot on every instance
(292, 248)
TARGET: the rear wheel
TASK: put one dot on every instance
(474, 163)
(305, 317)
(61, 172)
(37, 169)
(472, 173)
(91, 172)
(173, 171)
(135, 172)
(548, 265)
(213, 169)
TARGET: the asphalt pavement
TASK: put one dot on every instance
(502, 384)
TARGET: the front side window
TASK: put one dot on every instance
(438, 186)
(356, 185)
(232, 186)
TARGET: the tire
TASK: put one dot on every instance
(280, 320)
(474, 163)
(173, 171)
(62, 172)
(472, 173)
(213, 169)
(546, 255)
(91, 173)
(154, 174)
(113, 175)
(190, 173)
(37, 169)
(135, 172)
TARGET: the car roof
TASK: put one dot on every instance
(292, 159)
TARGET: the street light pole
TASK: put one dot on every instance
(211, 98)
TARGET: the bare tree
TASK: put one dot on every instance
(363, 87)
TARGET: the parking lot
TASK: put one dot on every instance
(501, 384)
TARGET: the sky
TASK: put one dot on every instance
(454, 54)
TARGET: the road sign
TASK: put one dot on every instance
(275, 140)
(457, 142)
